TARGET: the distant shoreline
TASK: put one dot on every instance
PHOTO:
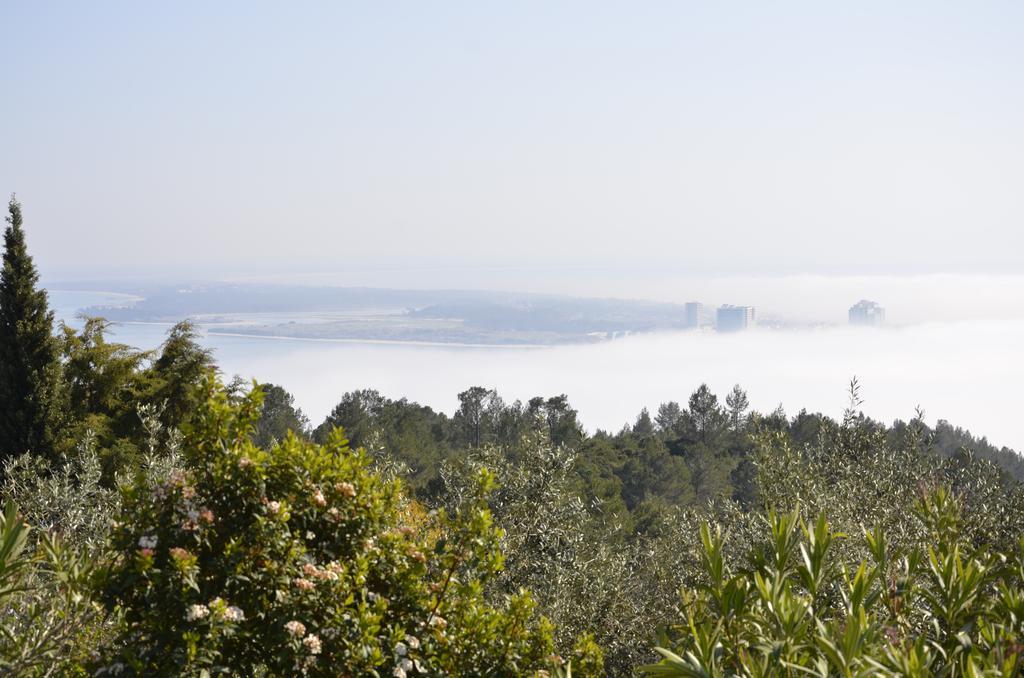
(388, 342)
(123, 295)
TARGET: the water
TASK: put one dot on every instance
(968, 372)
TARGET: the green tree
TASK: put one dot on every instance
(669, 418)
(599, 465)
(644, 427)
(278, 416)
(561, 419)
(651, 472)
(31, 391)
(413, 435)
(105, 382)
(177, 373)
(737, 403)
(705, 418)
(358, 413)
(103, 378)
(477, 415)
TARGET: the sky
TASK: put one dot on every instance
(688, 139)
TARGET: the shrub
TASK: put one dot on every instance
(296, 560)
(943, 609)
(855, 475)
(48, 619)
(68, 500)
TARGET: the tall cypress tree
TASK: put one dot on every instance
(30, 368)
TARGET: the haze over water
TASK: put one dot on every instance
(963, 365)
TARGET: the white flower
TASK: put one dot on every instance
(406, 665)
(197, 612)
(413, 641)
(401, 650)
(234, 614)
(312, 643)
(147, 542)
(310, 535)
(274, 506)
(296, 628)
(399, 672)
(319, 499)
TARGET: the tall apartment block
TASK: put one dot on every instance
(866, 312)
(730, 318)
(694, 314)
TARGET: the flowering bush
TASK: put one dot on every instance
(295, 560)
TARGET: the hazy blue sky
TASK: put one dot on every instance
(230, 138)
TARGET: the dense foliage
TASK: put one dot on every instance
(682, 456)
(939, 607)
(157, 522)
(297, 559)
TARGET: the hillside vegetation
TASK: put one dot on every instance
(159, 521)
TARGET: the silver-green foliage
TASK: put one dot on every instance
(48, 618)
(51, 623)
(796, 608)
(858, 479)
(586, 574)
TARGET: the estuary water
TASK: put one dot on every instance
(968, 372)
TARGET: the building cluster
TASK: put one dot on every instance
(727, 318)
(866, 312)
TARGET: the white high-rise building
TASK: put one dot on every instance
(694, 314)
(734, 318)
(866, 312)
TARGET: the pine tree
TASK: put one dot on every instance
(30, 368)
(738, 403)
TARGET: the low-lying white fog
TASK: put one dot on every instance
(967, 372)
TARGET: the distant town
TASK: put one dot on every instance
(427, 316)
(729, 318)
